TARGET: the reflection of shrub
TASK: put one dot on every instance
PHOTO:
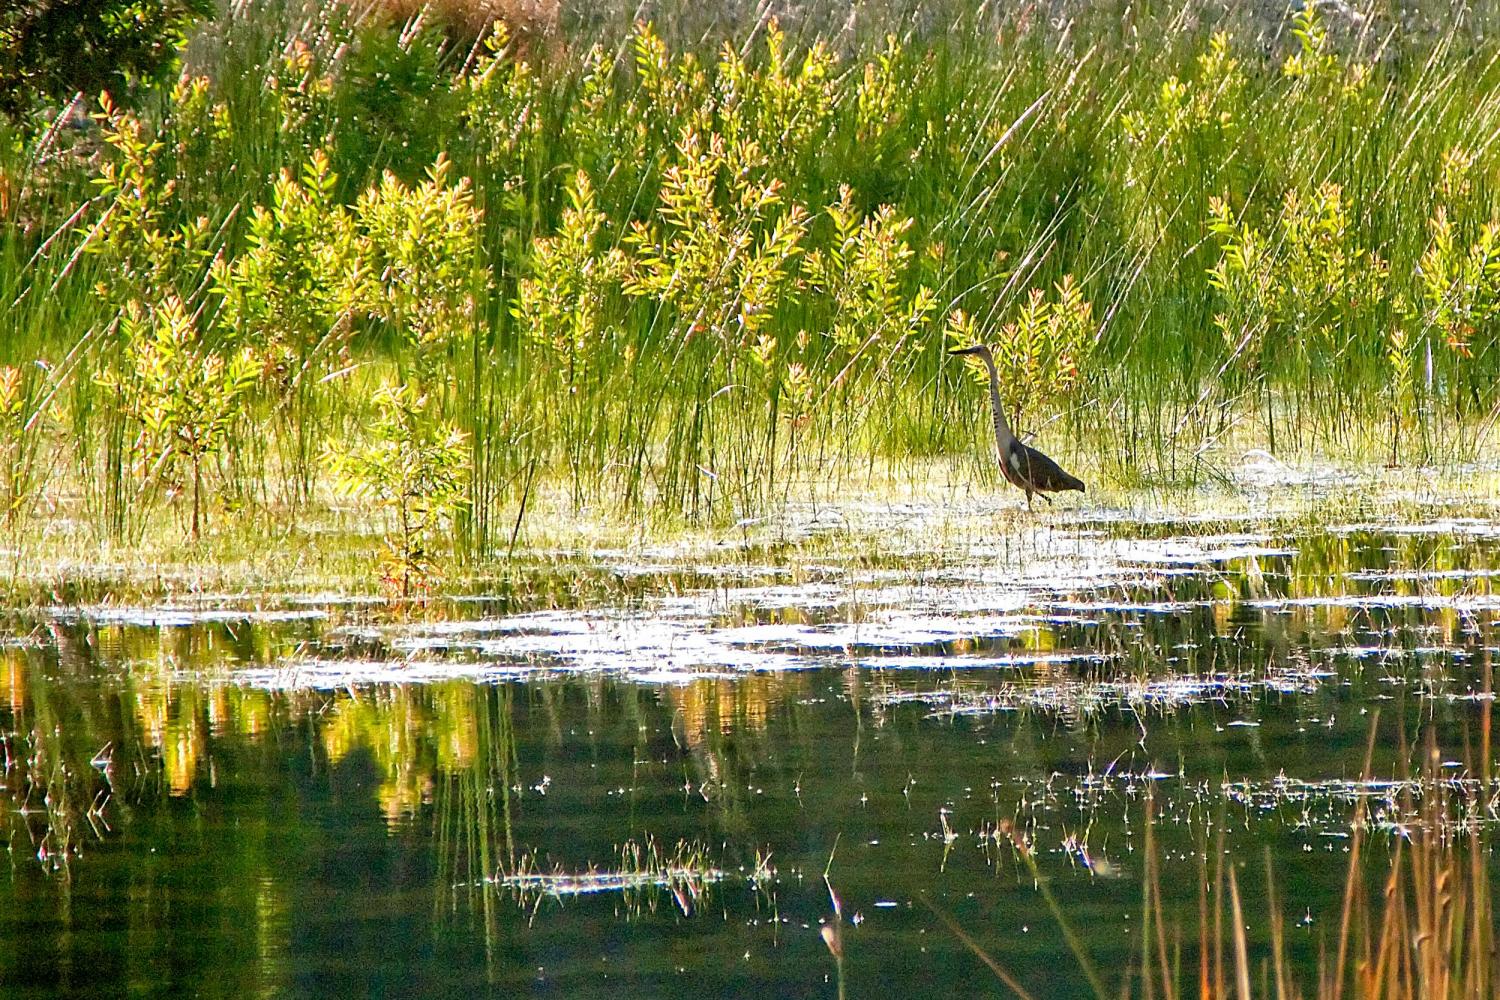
(55, 48)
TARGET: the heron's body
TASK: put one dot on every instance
(1022, 465)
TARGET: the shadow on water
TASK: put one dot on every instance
(761, 777)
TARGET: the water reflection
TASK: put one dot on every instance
(652, 792)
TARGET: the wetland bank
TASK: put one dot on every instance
(491, 507)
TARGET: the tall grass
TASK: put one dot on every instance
(681, 273)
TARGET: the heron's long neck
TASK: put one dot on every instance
(1003, 434)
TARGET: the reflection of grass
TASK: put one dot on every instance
(1427, 933)
(473, 801)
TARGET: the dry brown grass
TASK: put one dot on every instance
(532, 24)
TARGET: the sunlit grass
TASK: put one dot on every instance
(904, 514)
(680, 284)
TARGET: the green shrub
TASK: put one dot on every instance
(413, 466)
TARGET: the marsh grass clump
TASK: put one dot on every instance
(645, 874)
(27, 415)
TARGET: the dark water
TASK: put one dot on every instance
(642, 799)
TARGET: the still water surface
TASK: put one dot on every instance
(641, 796)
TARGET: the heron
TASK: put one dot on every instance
(1021, 465)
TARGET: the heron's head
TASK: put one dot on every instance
(978, 349)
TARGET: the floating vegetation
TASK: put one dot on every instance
(1392, 805)
(646, 874)
(1082, 698)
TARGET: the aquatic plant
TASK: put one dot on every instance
(419, 249)
(416, 468)
(178, 397)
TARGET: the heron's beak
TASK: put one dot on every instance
(967, 350)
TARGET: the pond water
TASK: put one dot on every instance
(657, 784)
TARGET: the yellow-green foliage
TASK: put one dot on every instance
(672, 97)
(293, 292)
(720, 269)
(1460, 284)
(1308, 281)
(179, 395)
(1185, 109)
(782, 105)
(1315, 68)
(1180, 135)
(875, 98)
(500, 101)
(863, 273)
(144, 256)
(414, 466)
(421, 265)
(301, 93)
(183, 393)
(561, 303)
(1040, 353)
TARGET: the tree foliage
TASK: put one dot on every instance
(56, 48)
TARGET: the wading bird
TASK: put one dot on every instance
(1021, 465)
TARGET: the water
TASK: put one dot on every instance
(640, 790)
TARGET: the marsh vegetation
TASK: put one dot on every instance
(488, 503)
(672, 275)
